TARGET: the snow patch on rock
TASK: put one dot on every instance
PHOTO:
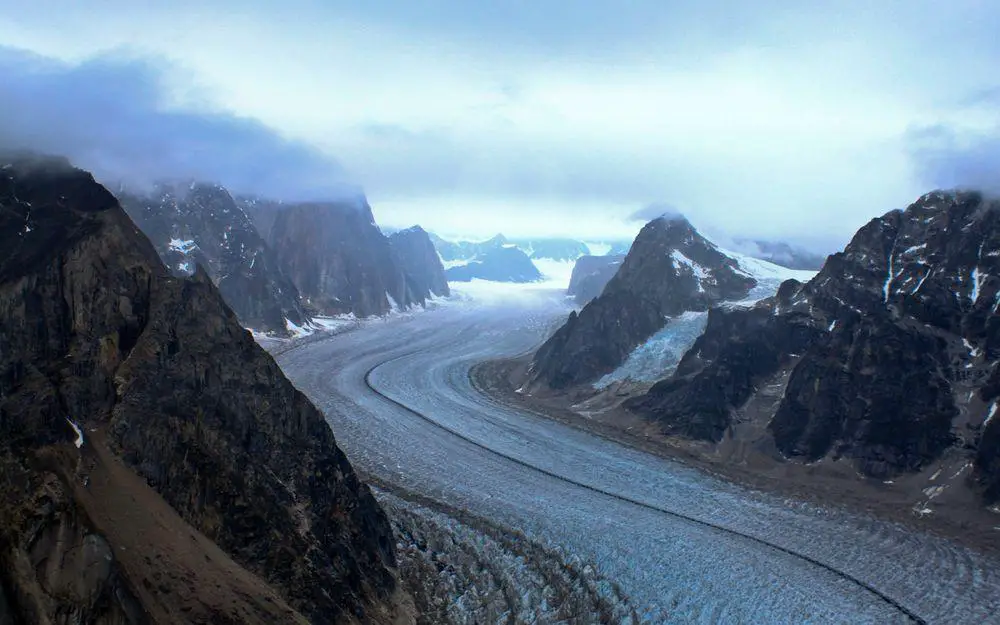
(79, 433)
(659, 356)
(183, 246)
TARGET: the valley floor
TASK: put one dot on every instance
(663, 542)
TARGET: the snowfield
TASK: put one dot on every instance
(659, 356)
(683, 546)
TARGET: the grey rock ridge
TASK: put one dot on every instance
(591, 274)
(669, 269)
(155, 463)
(499, 264)
(200, 224)
(415, 253)
(340, 260)
(887, 358)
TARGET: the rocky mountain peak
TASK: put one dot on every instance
(198, 223)
(675, 264)
(670, 269)
(673, 219)
(339, 259)
(938, 261)
(142, 429)
(887, 357)
(414, 252)
(498, 240)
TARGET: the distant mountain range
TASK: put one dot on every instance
(549, 248)
(280, 264)
(554, 257)
(200, 224)
(552, 248)
(499, 264)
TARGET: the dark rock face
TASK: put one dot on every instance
(890, 345)
(669, 270)
(591, 274)
(781, 253)
(904, 419)
(500, 264)
(697, 402)
(420, 262)
(261, 211)
(201, 224)
(339, 259)
(164, 384)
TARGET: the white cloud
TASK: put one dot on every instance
(756, 117)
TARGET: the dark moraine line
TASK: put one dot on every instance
(678, 515)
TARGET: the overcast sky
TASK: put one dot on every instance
(762, 118)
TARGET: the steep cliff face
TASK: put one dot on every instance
(340, 260)
(590, 275)
(669, 270)
(155, 464)
(202, 224)
(261, 211)
(890, 352)
(415, 253)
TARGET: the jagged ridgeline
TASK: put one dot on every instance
(155, 463)
(341, 261)
(670, 269)
(201, 224)
(888, 357)
(279, 264)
